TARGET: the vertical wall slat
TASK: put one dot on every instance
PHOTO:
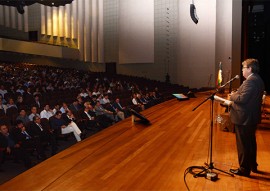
(43, 19)
(61, 24)
(87, 32)
(100, 32)
(67, 21)
(13, 13)
(49, 20)
(81, 27)
(1, 15)
(20, 21)
(74, 25)
(94, 31)
(25, 19)
(7, 17)
(55, 20)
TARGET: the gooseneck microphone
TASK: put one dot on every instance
(234, 78)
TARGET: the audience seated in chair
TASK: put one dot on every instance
(60, 126)
(10, 147)
(43, 136)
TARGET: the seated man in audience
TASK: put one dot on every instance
(64, 107)
(11, 103)
(69, 118)
(23, 117)
(42, 135)
(56, 108)
(2, 105)
(88, 117)
(28, 96)
(141, 100)
(120, 114)
(119, 107)
(23, 137)
(75, 107)
(20, 103)
(100, 110)
(9, 146)
(106, 99)
(47, 112)
(33, 113)
(60, 126)
(37, 102)
(136, 103)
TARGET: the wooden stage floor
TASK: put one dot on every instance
(130, 156)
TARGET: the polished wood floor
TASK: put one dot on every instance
(131, 156)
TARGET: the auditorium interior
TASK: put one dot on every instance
(122, 93)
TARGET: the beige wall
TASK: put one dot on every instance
(38, 49)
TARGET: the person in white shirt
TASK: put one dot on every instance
(33, 113)
(105, 99)
(3, 106)
(47, 112)
(64, 107)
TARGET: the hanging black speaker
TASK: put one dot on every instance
(193, 13)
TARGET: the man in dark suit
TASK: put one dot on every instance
(42, 135)
(119, 107)
(245, 113)
(10, 146)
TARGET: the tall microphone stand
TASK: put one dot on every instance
(210, 166)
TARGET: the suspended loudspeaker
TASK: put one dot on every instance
(193, 14)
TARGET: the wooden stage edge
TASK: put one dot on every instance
(132, 156)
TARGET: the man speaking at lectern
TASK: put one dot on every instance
(245, 113)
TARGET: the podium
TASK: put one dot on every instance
(225, 123)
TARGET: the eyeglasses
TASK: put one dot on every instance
(245, 67)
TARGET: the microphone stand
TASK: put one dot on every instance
(210, 166)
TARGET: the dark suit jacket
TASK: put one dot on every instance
(34, 129)
(246, 107)
(117, 106)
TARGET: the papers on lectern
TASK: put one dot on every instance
(224, 101)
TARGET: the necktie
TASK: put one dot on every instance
(120, 105)
(26, 134)
(40, 127)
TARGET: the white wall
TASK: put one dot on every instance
(136, 31)
(196, 44)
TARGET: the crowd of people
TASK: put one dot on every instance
(40, 105)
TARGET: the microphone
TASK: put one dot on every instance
(235, 77)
